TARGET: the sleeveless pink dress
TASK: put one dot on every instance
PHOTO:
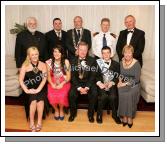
(58, 96)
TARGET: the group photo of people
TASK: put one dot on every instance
(61, 65)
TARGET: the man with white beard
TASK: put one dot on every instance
(27, 38)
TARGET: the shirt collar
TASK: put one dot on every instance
(78, 29)
(107, 61)
(131, 29)
(102, 33)
(57, 31)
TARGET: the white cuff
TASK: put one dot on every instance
(98, 82)
(78, 88)
(87, 88)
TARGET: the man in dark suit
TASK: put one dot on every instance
(55, 37)
(131, 36)
(83, 71)
(28, 38)
(106, 80)
(75, 36)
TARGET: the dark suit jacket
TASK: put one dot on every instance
(53, 40)
(89, 75)
(114, 67)
(24, 40)
(69, 41)
(137, 41)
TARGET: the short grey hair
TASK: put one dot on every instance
(30, 18)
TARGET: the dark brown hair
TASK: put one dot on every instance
(60, 49)
(105, 19)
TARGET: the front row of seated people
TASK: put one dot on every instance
(61, 83)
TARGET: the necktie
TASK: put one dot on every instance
(104, 41)
(78, 33)
(58, 34)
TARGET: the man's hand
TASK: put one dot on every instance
(101, 85)
(83, 91)
(109, 85)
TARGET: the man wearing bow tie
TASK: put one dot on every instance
(83, 71)
(55, 37)
(106, 80)
(131, 36)
(75, 36)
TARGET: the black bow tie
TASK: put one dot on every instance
(130, 31)
(107, 63)
(82, 59)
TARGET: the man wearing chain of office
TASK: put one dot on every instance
(83, 73)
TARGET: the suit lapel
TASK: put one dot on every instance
(76, 36)
(133, 36)
(125, 37)
(55, 35)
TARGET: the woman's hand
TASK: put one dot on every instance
(60, 86)
(121, 84)
(30, 91)
(53, 86)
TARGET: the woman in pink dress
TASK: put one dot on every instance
(58, 82)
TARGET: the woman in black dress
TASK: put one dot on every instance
(32, 78)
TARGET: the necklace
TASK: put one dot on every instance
(35, 67)
(73, 38)
(81, 70)
(128, 64)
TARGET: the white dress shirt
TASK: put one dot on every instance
(129, 36)
(58, 32)
(97, 43)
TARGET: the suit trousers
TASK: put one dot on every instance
(92, 98)
(110, 97)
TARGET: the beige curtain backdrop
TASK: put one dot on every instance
(92, 16)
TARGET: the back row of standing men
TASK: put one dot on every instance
(69, 40)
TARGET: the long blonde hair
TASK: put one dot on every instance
(29, 50)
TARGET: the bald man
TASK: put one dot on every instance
(27, 38)
(75, 36)
(131, 36)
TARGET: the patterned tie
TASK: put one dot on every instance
(104, 41)
(58, 34)
(78, 33)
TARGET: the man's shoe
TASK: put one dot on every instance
(124, 123)
(71, 118)
(117, 120)
(91, 119)
(99, 119)
(130, 125)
